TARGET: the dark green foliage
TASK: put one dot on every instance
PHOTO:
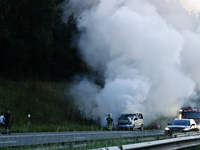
(35, 43)
(59, 1)
(47, 103)
(65, 59)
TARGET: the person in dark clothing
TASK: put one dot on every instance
(109, 122)
(7, 117)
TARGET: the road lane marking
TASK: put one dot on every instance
(80, 137)
(8, 142)
(42, 135)
(75, 134)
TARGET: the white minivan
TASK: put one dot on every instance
(130, 121)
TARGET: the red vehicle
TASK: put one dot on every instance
(190, 113)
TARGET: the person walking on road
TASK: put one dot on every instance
(109, 121)
(2, 123)
(7, 116)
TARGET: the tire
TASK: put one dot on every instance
(141, 128)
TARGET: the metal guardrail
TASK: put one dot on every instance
(185, 134)
(179, 142)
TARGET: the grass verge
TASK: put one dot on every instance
(51, 109)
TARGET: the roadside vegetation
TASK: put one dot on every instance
(51, 109)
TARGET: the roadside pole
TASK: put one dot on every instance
(28, 119)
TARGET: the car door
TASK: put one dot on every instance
(136, 122)
(193, 125)
(140, 120)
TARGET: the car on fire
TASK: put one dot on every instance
(130, 121)
(180, 126)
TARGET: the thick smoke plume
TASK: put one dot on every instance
(148, 52)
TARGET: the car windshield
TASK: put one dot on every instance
(181, 122)
(195, 115)
(126, 116)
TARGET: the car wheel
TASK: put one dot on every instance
(141, 128)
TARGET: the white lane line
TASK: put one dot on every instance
(8, 142)
(61, 134)
(16, 136)
(80, 137)
(67, 134)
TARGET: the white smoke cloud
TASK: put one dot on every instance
(84, 94)
(148, 52)
(175, 15)
(191, 6)
(191, 54)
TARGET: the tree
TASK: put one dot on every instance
(35, 43)
(66, 61)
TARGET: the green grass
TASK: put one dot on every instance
(192, 148)
(54, 128)
(50, 107)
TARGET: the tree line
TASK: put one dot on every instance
(36, 43)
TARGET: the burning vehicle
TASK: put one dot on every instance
(130, 121)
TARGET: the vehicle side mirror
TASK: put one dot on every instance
(135, 119)
(168, 123)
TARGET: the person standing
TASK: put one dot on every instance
(7, 116)
(2, 123)
(109, 121)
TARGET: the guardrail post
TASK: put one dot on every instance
(158, 137)
(71, 145)
(137, 140)
(121, 148)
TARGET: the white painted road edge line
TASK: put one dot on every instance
(66, 134)
(46, 135)
(8, 142)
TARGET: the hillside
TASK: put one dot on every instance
(50, 108)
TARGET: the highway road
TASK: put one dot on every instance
(21, 139)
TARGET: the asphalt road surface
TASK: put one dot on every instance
(20, 139)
